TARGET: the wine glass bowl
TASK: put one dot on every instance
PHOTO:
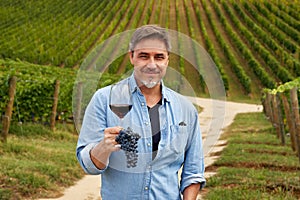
(120, 101)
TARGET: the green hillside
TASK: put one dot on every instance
(255, 44)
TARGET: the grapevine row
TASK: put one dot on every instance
(281, 25)
(87, 29)
(174, 61)
(31, 37)
(210, 47)
(288, 60)
(167, 21)
(86, 33)
(289, 20)
(115, 48)
(276, 33)
(289, 9)
(117, 64)
(15, 20)
(181, 60)
(50, 50)
(192, 34)
(157, 11)
(108, 52)
(79, 39)
(35, 86)
(144, 17)
(120, 64)
(117, 25)
(281, 72)
(236, 67)
(281, 106)
(106, 29)
(260, 72)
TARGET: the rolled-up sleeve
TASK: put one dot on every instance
(86, 162)
(92, 131)
(193, 169)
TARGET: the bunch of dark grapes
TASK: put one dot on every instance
(128, 141)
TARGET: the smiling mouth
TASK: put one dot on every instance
(151, 72)
(147, 71)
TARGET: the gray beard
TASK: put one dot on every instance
(150, 84)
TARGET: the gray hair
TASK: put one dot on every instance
(150, 32)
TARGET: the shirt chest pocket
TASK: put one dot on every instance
(178, 138)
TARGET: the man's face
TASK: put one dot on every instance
(150, 60)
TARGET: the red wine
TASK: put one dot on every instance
(120, 109)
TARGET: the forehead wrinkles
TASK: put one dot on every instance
(151, 52)
(151, 44)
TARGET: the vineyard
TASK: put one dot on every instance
(255, 45)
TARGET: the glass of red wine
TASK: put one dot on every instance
(120, 101)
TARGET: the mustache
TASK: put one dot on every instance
(152, 71)
(148, 69)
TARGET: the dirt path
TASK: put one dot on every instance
(216, 116)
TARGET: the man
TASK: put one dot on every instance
(167, 123)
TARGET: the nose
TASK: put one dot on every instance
(151, 65)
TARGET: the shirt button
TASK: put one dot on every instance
(142, 104)
(149, 144)
(147, 123)
(146, 188)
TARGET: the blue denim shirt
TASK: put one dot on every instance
(180, 145)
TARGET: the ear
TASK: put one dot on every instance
(167, 63)
(130, 53)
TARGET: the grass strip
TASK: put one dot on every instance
(37, 163)
(254, 165)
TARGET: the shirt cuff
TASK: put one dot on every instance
(89, 166)
(191, 180)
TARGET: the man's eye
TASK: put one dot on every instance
(143, 56)
(159, 57)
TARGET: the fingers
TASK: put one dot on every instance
(113, 144)
(108, 145)
(110, 135)
(110, 141)
(112, 130)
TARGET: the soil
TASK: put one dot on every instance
(262, 165)
(88, 188)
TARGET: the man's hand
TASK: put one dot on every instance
(101, 152)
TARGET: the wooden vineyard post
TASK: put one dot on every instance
(289, 120)
(295, 110)
(9, 108)
(268, 107)
(54, 106)
(275, 122)
(265, 106)
(280, 119)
